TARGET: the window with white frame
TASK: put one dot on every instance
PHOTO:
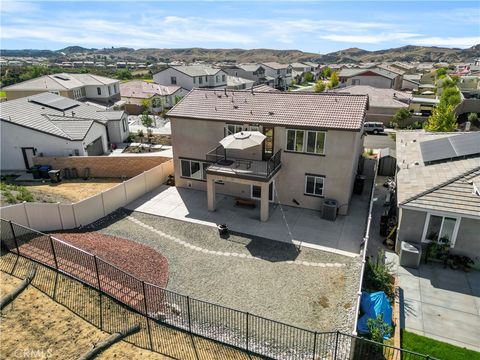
(441, 229)
(312, 142)
(125, 123)
(99, 91)
(217, 78)
(194, 80)
(200, 80)
(194, 169)
(77, 93)
(224, 78)
(253, 128)
(173, 80)
(314, 185)
(232, 129)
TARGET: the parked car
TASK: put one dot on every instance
(373, 127)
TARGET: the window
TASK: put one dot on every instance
(253, 128)
(217, 78)
(173, 80)
(193, 169)
(440, 229)
(200, 80)
(77, 93)
(314, 185)
(356, 82)
(312, 142)
(115, 88)
(206, 79)
(223, 78)
(194, 80)
(99, 91)
(278, 72)
(109, 91)
(232, 129)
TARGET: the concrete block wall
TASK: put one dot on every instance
(104, 166)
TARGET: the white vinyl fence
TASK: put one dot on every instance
(49, 217)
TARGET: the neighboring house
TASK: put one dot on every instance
(300, 69)
(238, 83)
(135, 92)
(383, 103)
(311, 151)
(406, 68)
(117, 125)
(253, 72)
(411, 82)
(192, 76)
(376, 77)
(74, 86)
(49, 125)
(281, 74)
(438, 189)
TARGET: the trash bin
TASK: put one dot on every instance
(35, 170)
(410, 255)
(55, 176)
(44, 169)
(358, 184)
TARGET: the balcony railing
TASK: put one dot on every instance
(238, 167)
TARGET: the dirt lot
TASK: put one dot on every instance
(38, 325)
(68, 191)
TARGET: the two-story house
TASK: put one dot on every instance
(192, 76)
(94, 88)
(375, 77)
(253, 72)
(281, 73)
(311, 151)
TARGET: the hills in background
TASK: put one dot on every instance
(353, 55)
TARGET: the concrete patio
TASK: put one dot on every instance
(288, 224)
(442, 304)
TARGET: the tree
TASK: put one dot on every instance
(334, 80)
(451, 95)
(146, 119)
(441, 73)
(319, 86)
(326, 72)
(146, 105)
(123, 74)
(378, 328)
(308, 77)
(443, 118)
(400, 118)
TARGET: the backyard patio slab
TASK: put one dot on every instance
(443, 304)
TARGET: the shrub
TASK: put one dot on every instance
(400, 117)
(473, 117)
(319, 86)
(378, 275)
(378, 328)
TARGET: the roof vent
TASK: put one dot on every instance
(219, 96)
(270, 113)
(215, 108)
(251, 112)
(73, 114)
(235, 106)
(206, 95)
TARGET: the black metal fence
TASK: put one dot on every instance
(154, 308)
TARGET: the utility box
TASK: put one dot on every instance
(410, 255)
(329, 210)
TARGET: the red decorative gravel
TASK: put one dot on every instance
(136, 259)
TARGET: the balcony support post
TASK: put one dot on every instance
(264, 202)
(211, 193)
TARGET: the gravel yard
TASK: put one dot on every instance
(310, 289)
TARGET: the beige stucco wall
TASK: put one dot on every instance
(12, 95)
(194, 138)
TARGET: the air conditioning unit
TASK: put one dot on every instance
(329, 209)
(410, 255)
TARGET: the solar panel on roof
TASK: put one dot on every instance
(57, 103)
(451, 147)
(62, 77)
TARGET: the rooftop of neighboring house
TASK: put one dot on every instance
(145, 90)
(249, 67)
(60, 82)
(52, 114)
(263, 88)
(196, 70)
(379, 97)
(312, 64)
(379, 71)
(275, 65)
(404, 66)
(391, 69)
(235, 81)
(324, 110)
(437, 171)
(414, 77)
(299, 65)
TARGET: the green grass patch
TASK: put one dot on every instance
(14, 194)
(435, 348)
(3, 94)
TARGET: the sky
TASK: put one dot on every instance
(312, 26)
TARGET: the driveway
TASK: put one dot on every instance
(442, 304)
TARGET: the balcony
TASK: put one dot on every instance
(231, 166)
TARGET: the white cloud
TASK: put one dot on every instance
(16, 7)
(462, 42)
(370, 38)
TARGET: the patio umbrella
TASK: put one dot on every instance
(242, 140)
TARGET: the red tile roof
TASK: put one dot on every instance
(324, 110)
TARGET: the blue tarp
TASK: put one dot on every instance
(371, 305)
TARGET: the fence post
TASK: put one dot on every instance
(99, 291)
(336, 346)
(146, 315)
(247, 333)
(14, 237)
(53, 252)
(314, 345)
(189, 316)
